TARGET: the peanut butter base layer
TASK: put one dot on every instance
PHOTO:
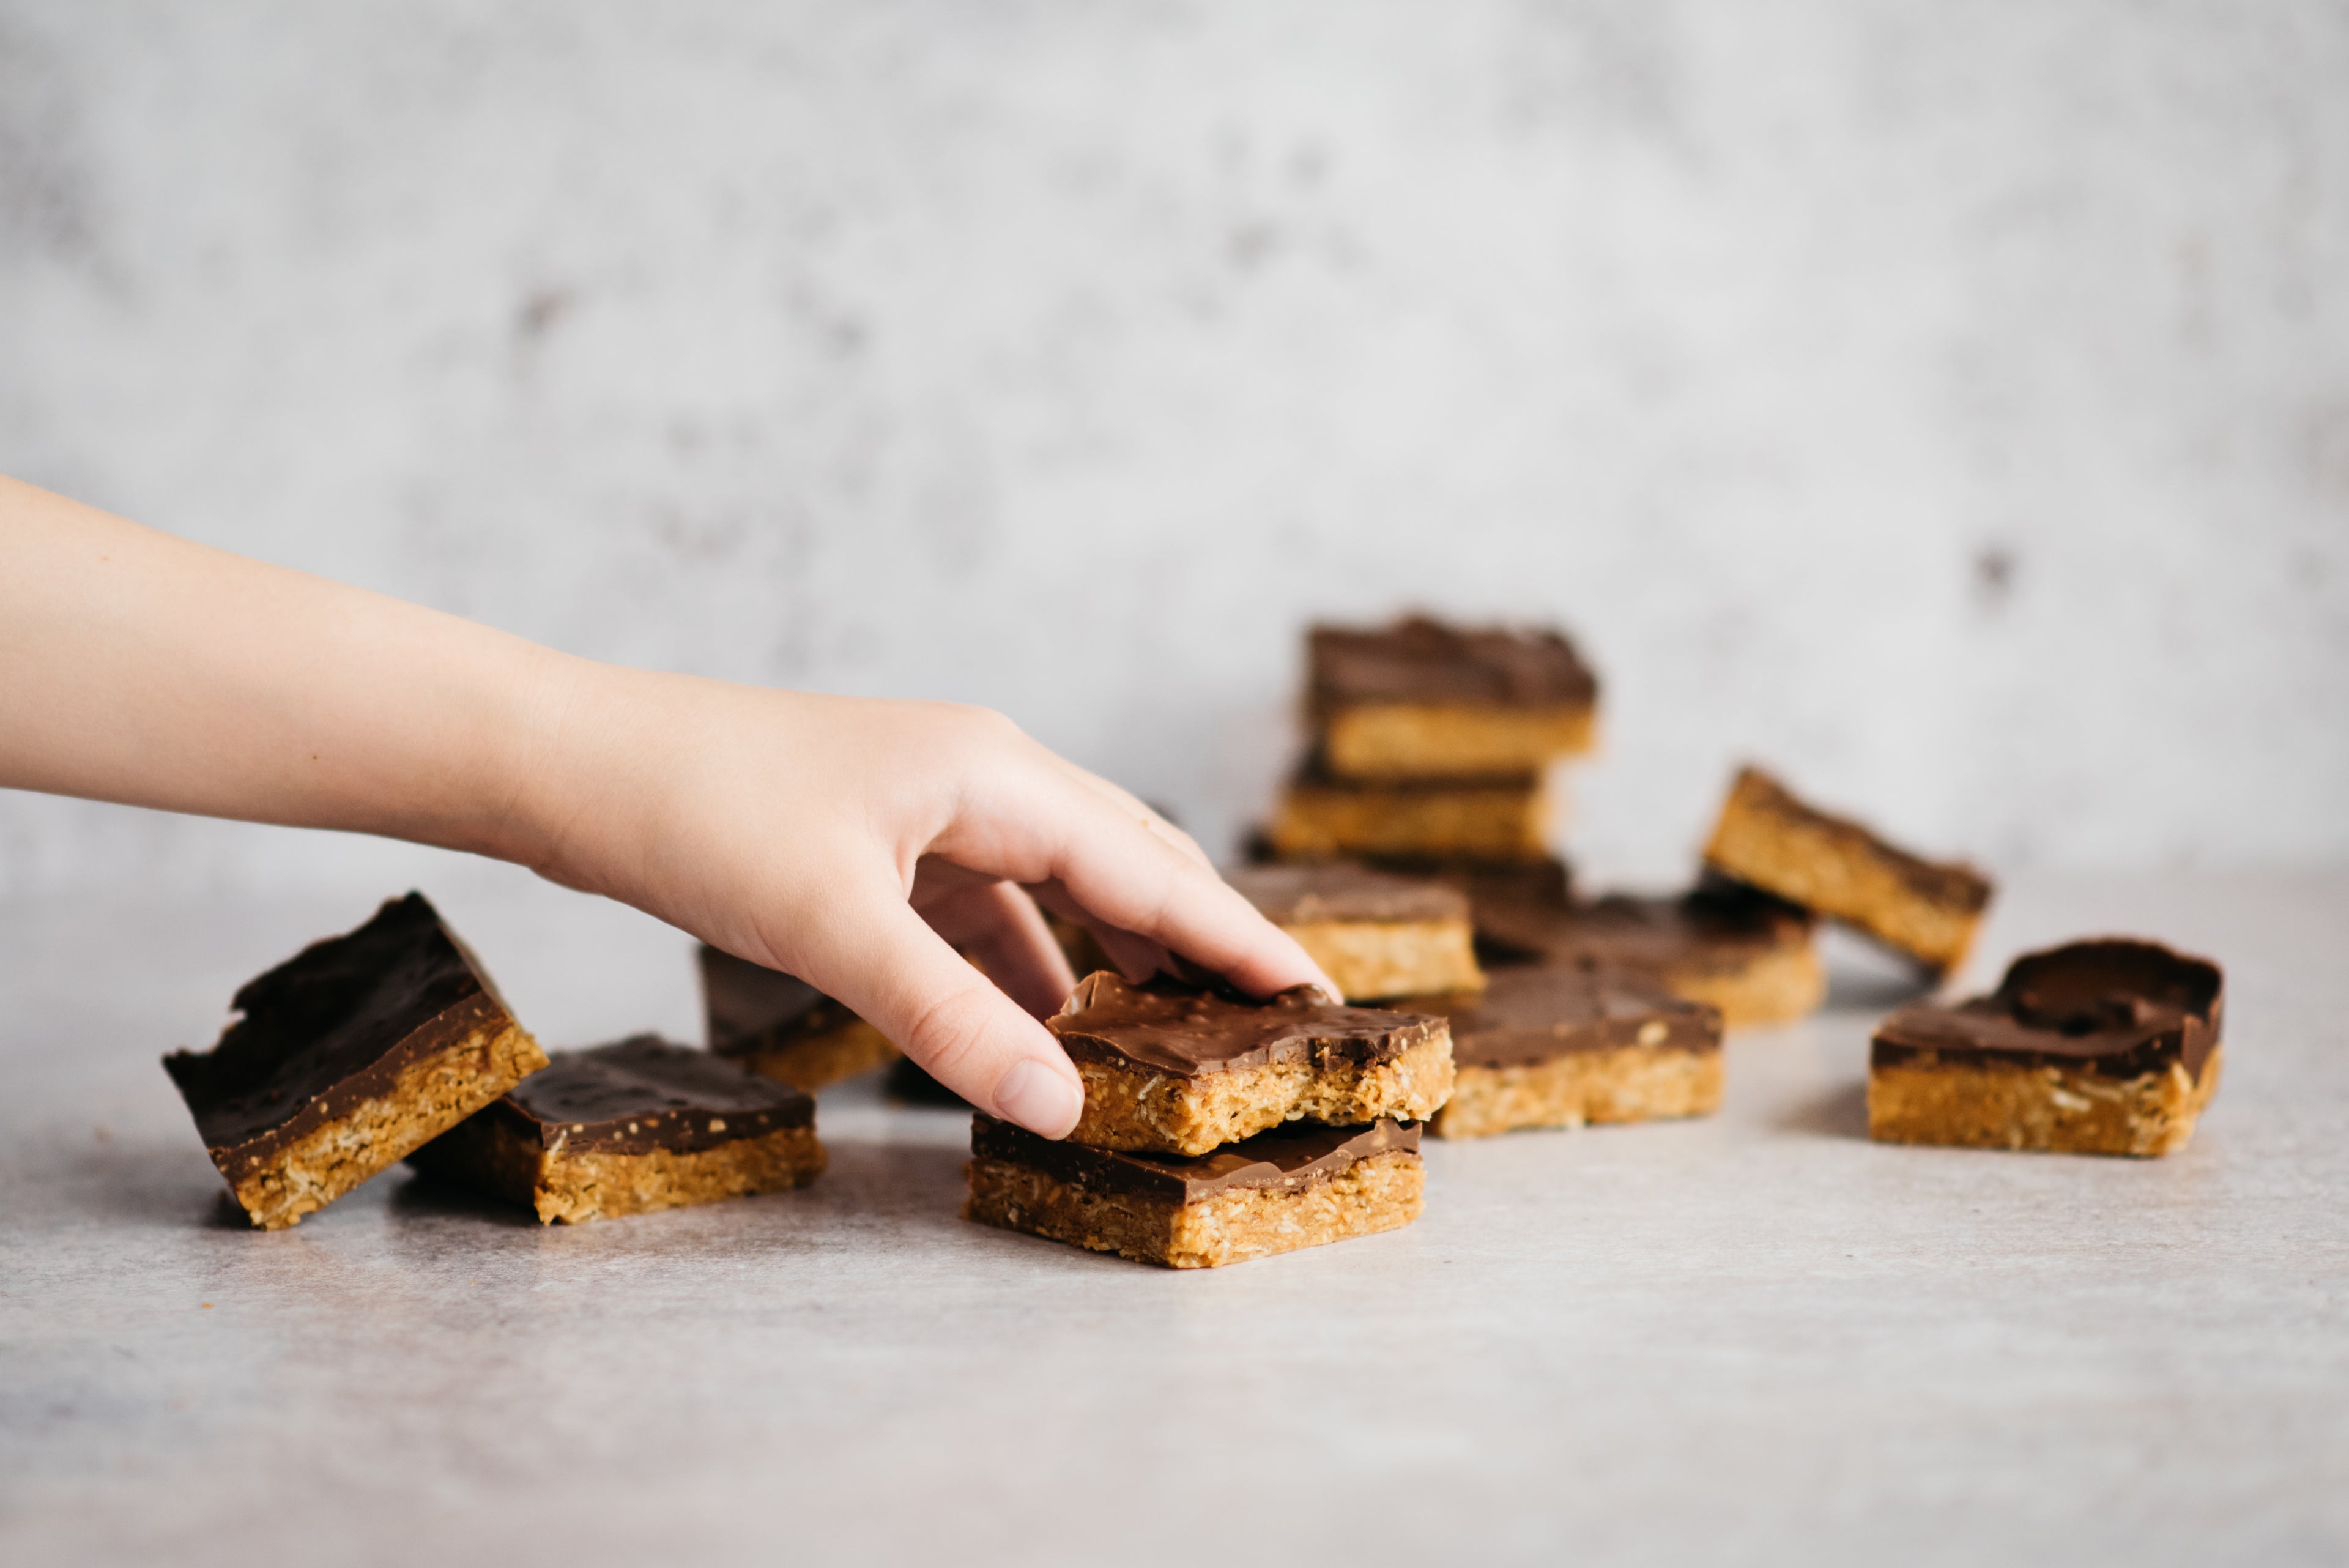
(426, 1100)
(1631, 1085)
(2050, 1110)
(1138, 1109)
(1372, 961)
(577, 1186)
(1495, 822)
(1835, 868)
(1380, 740)
(1774, 987)
(1380, 1193)
(818, 1061)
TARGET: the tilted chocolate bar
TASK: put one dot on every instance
(1300, 1185)
(1324, 817)
(1376, 935)
(1836, 866)
(1421, 700)
(1730, 947)
(2097, 1047)
(631, 1127)
(783, 1027)
(350, 1056)
(1558, 1048)
(1179, 1070)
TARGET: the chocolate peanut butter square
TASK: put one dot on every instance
(1178, 1069)
(1730, 947)
(630, 1127)
(1376, 935)
(348, 1056)
(1563, 1046)
(1838, 868)
(1422, 700)
(2109, 1047)
(784, 1027)
(1298, 1185)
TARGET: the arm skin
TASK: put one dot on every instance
(854, 843)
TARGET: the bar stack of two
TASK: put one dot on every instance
(1218, 1129)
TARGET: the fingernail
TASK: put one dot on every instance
(1038, 1099)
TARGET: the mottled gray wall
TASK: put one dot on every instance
(1950, 404)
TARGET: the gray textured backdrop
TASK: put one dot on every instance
(1948, 404)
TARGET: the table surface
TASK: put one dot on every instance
(1756, 1337)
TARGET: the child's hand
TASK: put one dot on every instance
(851, 841)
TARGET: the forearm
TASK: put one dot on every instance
(139, 668)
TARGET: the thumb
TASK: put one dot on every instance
(901, 977)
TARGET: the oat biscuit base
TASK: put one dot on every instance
(1323, 819)
(1834, 867)
(1394, 741)
(1383, 1192)
(2046, 1107)
(573, 1186)
(1624, 1085)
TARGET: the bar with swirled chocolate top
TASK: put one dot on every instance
(2096, 1047)
(1178, 1069)
(1299, 1185)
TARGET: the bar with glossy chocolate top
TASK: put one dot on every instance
(1423, 661)
(1170, 1027)
(1285, 1159)
(643, 1093)
(348, 1055)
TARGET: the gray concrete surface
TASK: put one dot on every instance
(1754, 1339)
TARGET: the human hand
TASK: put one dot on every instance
(858, 843)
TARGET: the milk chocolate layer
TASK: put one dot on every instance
(1424, 661)
(643, 1093)
(331, 1027)
(1182, 1029)
(1288, 1157)
(1304, 894)
(1718, 923)
(751, 1007)
(2114, 1007)
(1537, 1013)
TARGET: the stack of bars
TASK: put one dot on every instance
(1218, 1129)
(390, 1043)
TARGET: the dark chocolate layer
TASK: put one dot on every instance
(1424, 661)
(1716, 925)
(1171, 1027)
(750, 1007)
(333, 1026)
(643, 1093)
(1289, 1157)
(2114, 1007)
(1537, 1013)
(1309, 894)
(1951, 883)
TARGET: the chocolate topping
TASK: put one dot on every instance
(1716, 925)
(1171, 1027)
(751, 1007)
(1424, 661)
(1535, 1014)
(2114, 1007)
(333, 1026)
(1311, 894)
(1945, 882)
(643, 1093)
(1292, 1156)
